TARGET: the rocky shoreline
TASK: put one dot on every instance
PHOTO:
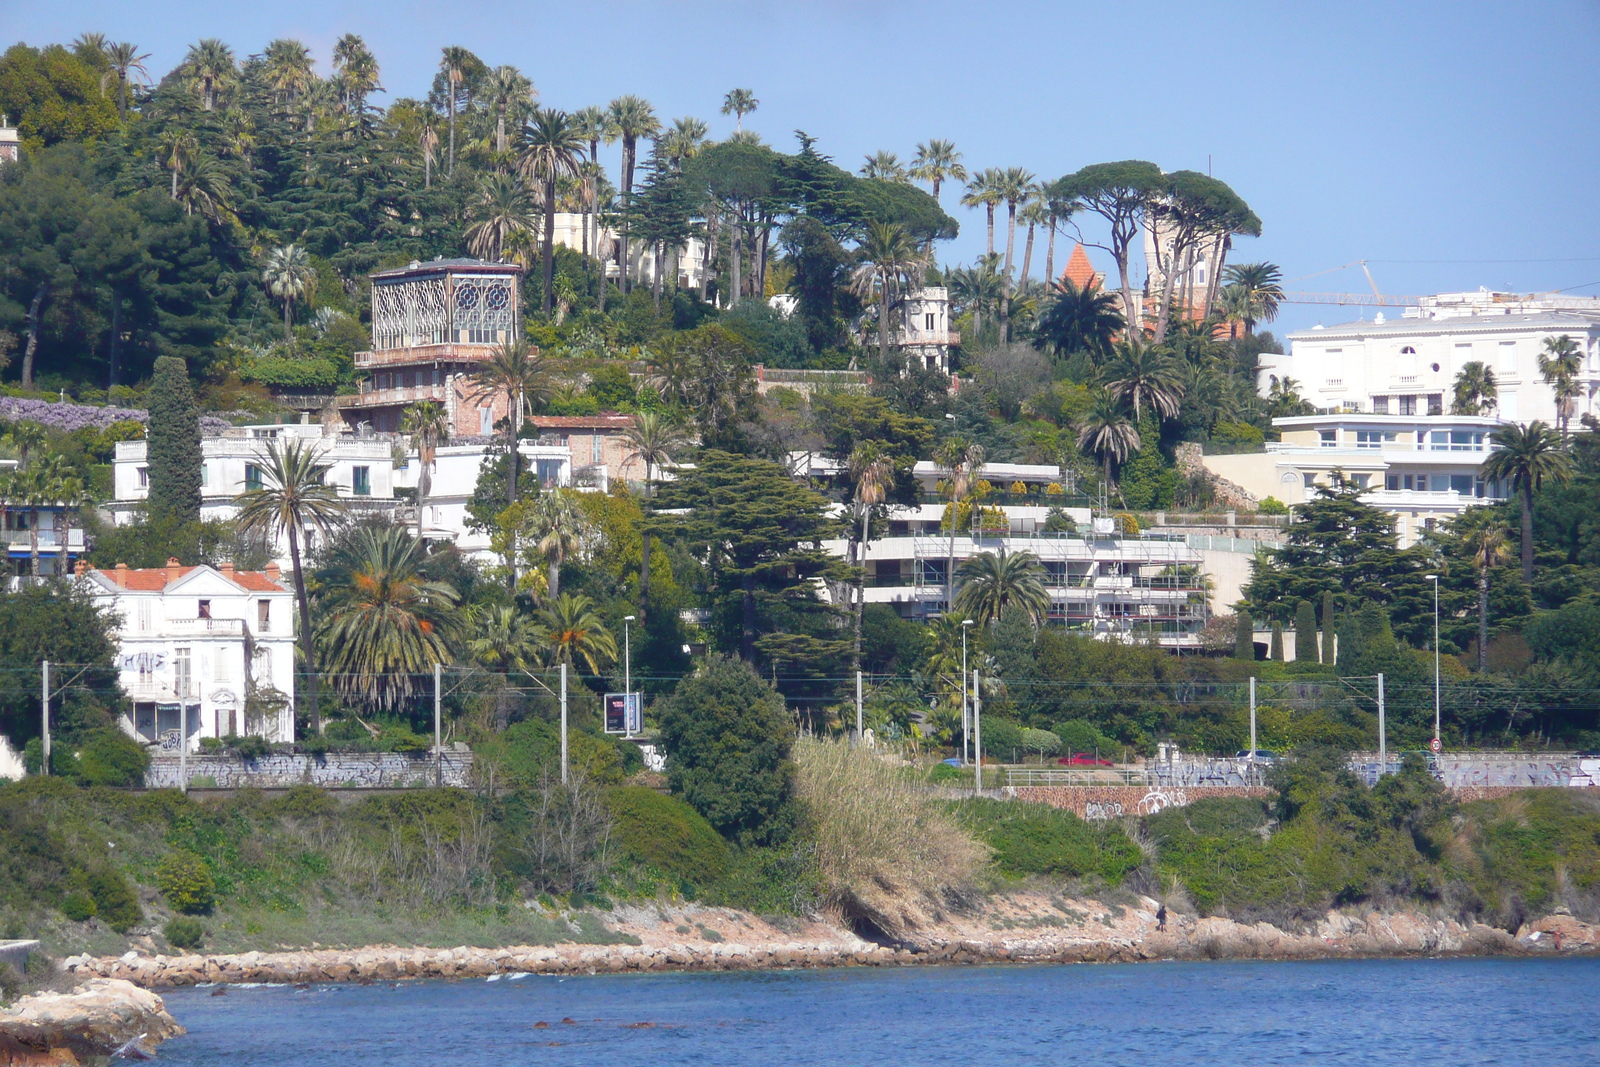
(100, 1019)
(1021, 928)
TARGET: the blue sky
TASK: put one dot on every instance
(1449, 144)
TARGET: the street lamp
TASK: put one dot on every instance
(627, 675)
(966, 724)
(1437, 743)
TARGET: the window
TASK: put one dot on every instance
(204, 610)
(142, 616)
(252, 478)
(1458, 441)
(597, 449)
(549, 472)
(1363, 481)
(1309, 480)
(182, 674)
(263, 616)
(485, 421)
(1436, 404)
(930, 319)
(1505, 361)
(1374, 438)
(1508, 405)
(1329, 438)
(1392, 483)
(221, 668)
(144, 477)
(1380, 405)
(205, 475)
(1408, 405)
(361, 481)
(1461, 483)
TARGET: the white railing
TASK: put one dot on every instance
(200, 628)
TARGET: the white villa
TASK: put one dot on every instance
(216, 641)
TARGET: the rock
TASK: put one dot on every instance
(96, 1019)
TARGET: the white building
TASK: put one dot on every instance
(455, 479)
(601, 243)
(215, 640)
(1408, 365)
(1423, 469)
(919, 327)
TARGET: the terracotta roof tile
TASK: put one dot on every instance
(156, 579)
(1080, 272)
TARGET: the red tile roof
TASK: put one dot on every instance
(1080, 272)
(156, 579)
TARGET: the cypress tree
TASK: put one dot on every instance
(1305, 632)
(1277, 641)
(174, 444)
(1244, 638)
(1328, 628)
(1349, 638)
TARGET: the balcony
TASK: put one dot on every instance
(372, 398)
(49, 540)
(918, 338)
(193, 628)
(442, 353)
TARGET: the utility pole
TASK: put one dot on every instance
(438, 737)
(977, 734)
(966, 719)
(1383, 749)
(564, 723)
(183, 744)
(859, 717)
(1437, 743)
(44, 693)
(627, 676)
(1252, 728)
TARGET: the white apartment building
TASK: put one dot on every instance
(1408, 365)
(1423, 469)
(216, 641)
(455, 478)
(601, 242)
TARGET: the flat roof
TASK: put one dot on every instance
(445, 266)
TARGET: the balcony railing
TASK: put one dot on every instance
(424, 354)
(194, 628)
(49, 540)
(409, 394)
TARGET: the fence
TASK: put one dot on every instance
(333, 770)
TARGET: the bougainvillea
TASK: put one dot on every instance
(56, 415)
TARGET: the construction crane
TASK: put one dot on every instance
(1376, 299)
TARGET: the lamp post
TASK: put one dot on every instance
(1437, 743)
(627, 675)
(966, 723)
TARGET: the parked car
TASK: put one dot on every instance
(1263, 755)
(1084, 759)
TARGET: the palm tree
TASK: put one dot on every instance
(126, 62)
(739, 103)
(573, 629)
(293, 498)
(978, 288)
(994, 581)
(1476, 392)
(559, 528)
(502, 208)
(358, 70)
(629, 118)
(890, 258)
(286, 65)
(591, 125)
(937, 162)
(428, 142)
(510, 93)
(885, 166)
(552, 150)
(289, 276)
(1525, 457)
(1080, 320)
(180, 147)
(506, 640)
(209, 67)
(1489, 548)
(1107, 432)
(515, 371)
(654, 441)
(963, 461)
(428, 425)
(984, 190)
(1559, 363)
(1142, 374)
(1015, 186)
(453, 63)
(1035, 213)
(205, 187)
(390, 624)
(684, 140)
(874, 477)
(1256, 290)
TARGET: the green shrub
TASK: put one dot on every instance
(78, 906)
(1081, 735)
(1040, 742)
(187, 883)
(1037, 839)
(1272, 506)
(943, 773)
(182, 932)
(1002, 740)
(667, 834)
(110, 757)
(115, 900)
(531, 748)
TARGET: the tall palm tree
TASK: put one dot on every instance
(453, 63)
(1144, 375)
(963, 461)
(1525, 457)
(984, 190)
(428, 143)
(739, 103)
(937, 162)
(293, 499)
(654, 441)
(390, 625)
(286, 66)
(994, 581)
(510, 94)
(208, 66)
(1080, 320)
(1106, 432)
(891, 262)
(1489, 548)
(978, 288)
(125, 63)
(558, 527)
(180, 148)
(591, 124)
(885, 166)
(1015, 186)
(574, 630)
(515, 371)
(357, 70)
(551, 150)
(1476, 392)
(628, 118)
(428, 425)
(205, 188)
(502, 207)
(1035, 213)
(1256, 290)
(684, 140)
(873, 473)
(505, 640)
(1559, 363)
(289, 276)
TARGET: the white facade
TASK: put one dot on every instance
(641, 256)
(455, 478)
(216, 641)
(1408, 365)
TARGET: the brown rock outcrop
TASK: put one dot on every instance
(95, 1020)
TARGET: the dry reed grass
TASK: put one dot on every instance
(892, 853)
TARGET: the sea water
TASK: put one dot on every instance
(1373, 1012)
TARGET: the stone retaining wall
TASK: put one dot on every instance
(1095, 802)
(367, 770)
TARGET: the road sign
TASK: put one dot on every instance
(624, 713)
(1436, 745)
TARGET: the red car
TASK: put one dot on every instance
(1084, 759)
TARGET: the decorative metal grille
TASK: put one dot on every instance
(485, 311)
(410, 312)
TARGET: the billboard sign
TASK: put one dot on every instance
(624, 713)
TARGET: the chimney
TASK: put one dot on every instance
(172, 561)
(122, 575)
(81, 568)
(272, 571)
(227, 570)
